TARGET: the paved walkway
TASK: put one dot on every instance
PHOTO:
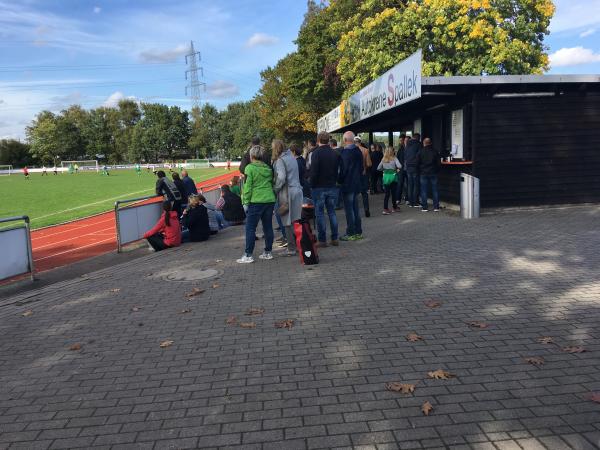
(526, 275)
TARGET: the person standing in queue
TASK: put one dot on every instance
(428, 161)
(412, 168)
(350, 181)
(364, 179)
(324, 172)
(400, 189)
(389, 166)
(376, 157)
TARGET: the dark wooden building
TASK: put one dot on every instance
(531, 140)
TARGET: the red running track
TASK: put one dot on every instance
(64, 244)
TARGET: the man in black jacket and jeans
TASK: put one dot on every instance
(413, 147)
(428, 162)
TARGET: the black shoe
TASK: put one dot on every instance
(367, 214)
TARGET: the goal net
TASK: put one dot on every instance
(86, 165)
(6, 169)
(197, 163)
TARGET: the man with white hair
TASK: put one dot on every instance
(350, 180)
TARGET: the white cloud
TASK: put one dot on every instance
(258, 39)
(573, 15)
(97, 10)
(222, 89)
(587, 32)
(163, 56)
(113, 99)
(574, 56)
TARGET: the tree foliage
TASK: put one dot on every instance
(15, 153)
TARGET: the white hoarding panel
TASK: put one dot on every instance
(331, 121)
(457, 140)
(15, 252)
(134, 221)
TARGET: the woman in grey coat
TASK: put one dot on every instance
(288, 190)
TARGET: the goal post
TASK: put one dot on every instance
(197, 163)
(86, 165)
(6, 169)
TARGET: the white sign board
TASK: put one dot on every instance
(457, 139)
(134, 221)
(399, 85)
(15, 252)
(331, 121)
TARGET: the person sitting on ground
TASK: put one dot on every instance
(216, 221)
(288, 190)
(235, 186)
(167, 231)
(181, 188)
(231, 205)
(195, 219)
(169, 191)
(259, 198)
(190, 185)
(390, 166)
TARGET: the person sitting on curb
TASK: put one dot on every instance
(231, 205)
(167, 231)
(195, 219)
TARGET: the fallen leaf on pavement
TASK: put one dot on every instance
(288, 323)
(255, 312)
(165, 344)
(195, 291)
(546, 340)
(115, 290)
(433, 304)
(594, 396)
(441, 374)
(573, 349)
(400, 387)
(75, 347)
(413, 337)
(476, 324)
(426, 408)
(136, 308)
(216, 285)
(231, 320)
(535, 361)
(27, 313)
(218, 260)
(247, 325)
(185, 311)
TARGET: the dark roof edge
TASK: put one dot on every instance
(508, 79)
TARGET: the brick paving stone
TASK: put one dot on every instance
(321, 384)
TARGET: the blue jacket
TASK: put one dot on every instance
(351, 169)
(190, 187)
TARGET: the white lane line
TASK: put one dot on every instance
(71, 229)
(53, 243)
(73, 250)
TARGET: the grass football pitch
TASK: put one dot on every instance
(52, 199)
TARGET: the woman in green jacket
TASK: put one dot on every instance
(259, 199)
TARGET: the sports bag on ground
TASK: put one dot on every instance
(305, 242)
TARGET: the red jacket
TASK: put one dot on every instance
(171, 233)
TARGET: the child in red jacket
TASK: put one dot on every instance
(167, 231)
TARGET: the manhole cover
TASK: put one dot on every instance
(188, 274)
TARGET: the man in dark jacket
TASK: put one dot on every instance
(402, 172)
(266, 155)
(350, 181)
(428, 162)
(376, 175)
(190, 185)
(324, 172)
(412, 170)
(169, 191)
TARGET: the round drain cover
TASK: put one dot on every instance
(188, 274)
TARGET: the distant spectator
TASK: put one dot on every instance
(376, 175)
(169, 191)
(195, 219)
(231, 205)
(389, 167)
(333, 144)
(428, 162)
(235, 186)
(181, 188)
(259, 198)
(266, 155)
(216, 220)
(366, 175)
(167, 231)
(401, 189)
(350, 181)
(323, 178)
(190, 185)
(412, 168)
(311, 145)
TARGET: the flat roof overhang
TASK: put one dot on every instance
(443, 92)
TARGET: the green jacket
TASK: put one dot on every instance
(258, 187)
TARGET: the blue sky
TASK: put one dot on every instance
(95, 52)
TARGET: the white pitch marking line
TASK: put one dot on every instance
(70, 239)
(72, 250)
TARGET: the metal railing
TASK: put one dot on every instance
(16, 246)
(145, 213)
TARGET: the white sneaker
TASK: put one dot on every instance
(245, 260)
(266, 255)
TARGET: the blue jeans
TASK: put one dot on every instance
(400, 187)
(412, 180)
(425, 181)
(354, 225)
(259, 212)
(326, 197)
(279, 221)
(221, 222)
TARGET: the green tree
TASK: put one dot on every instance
(15, 153)
(43, 138)
(204, 138)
